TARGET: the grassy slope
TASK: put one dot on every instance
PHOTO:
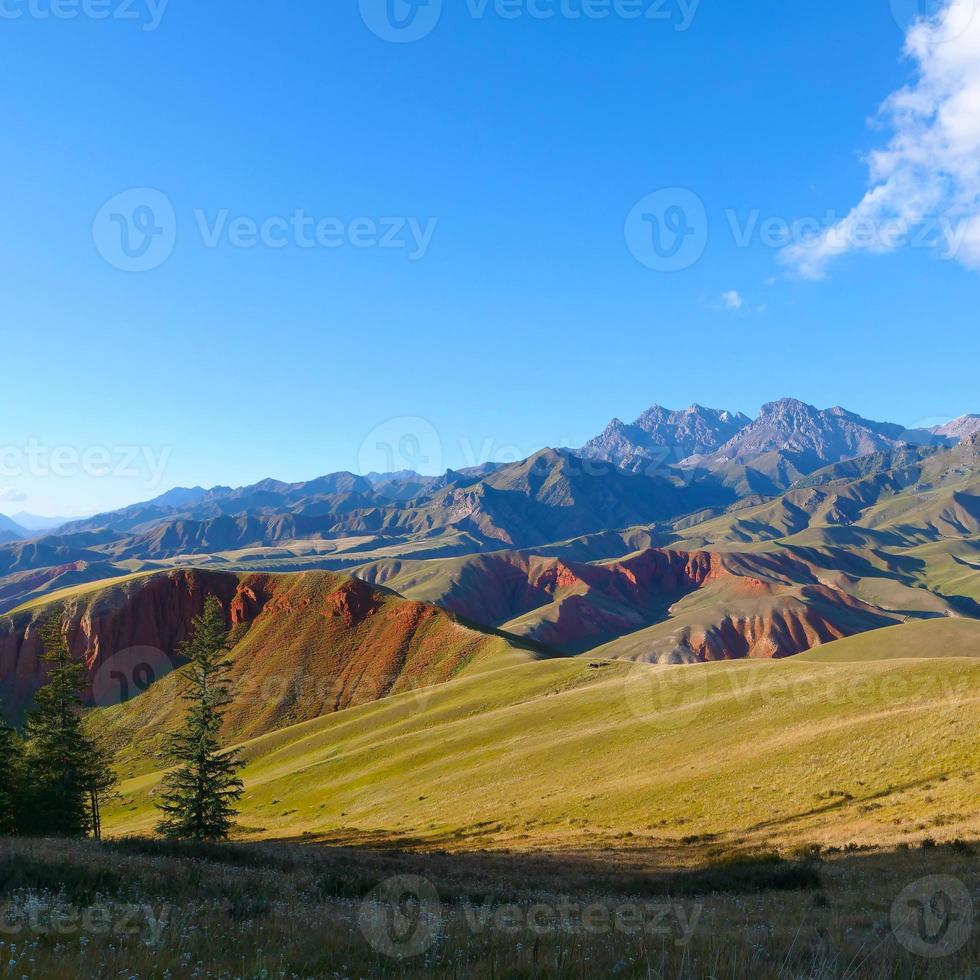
(928, 638)
(559, 753)
(78, 591)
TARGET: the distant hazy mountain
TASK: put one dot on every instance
(33, 522)
(409, 485)
(660, 434)
(11, 530)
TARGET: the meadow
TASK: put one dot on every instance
(148, 909)
(575, 817)
(583, 754)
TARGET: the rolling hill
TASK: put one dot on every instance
(302, 644)
(934, 638)
(557, 653)
(657, 605)
(857, 546)
(569, 754)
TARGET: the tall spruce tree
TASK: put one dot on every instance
(60, 760)
(11, 781)
(201, 792)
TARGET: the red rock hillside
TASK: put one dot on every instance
(678, 606)
(302, 644)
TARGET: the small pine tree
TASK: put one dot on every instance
(101, 783)
(200, 793)
(59, 758)
(11, 784)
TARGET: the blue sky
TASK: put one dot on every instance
(516, 148)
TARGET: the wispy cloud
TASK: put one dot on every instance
(928, 174)
(11, 496)
(732, 300)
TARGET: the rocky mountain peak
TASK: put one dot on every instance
(665, 435)
(962, 428)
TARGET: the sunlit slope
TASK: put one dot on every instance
(927, 638)
(578, 754)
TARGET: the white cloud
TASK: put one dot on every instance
(924, 184)
(732, 300)
(12, 496)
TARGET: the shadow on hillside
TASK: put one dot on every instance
(81, 869)
(963, 604)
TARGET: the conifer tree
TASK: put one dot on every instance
(101, 783)
(59, 759)
(11, 784)
(201, 792)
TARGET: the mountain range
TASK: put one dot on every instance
(686, 536)
(788, 440)
(662, 467)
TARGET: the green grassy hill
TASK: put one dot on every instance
(928, 638)
(581, 754)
